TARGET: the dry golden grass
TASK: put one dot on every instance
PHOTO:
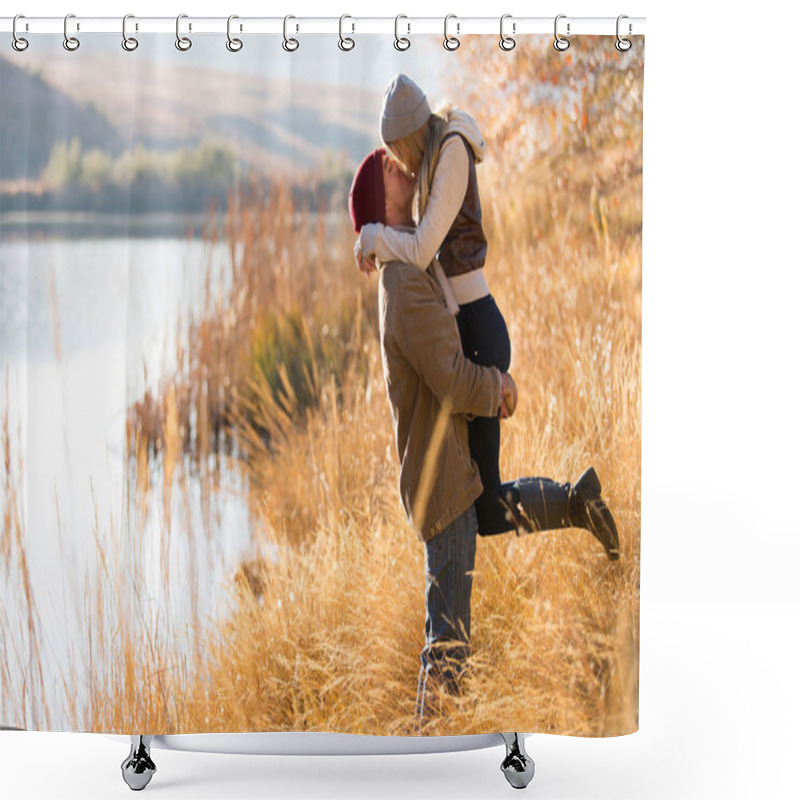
(20, 628)
(327, 636)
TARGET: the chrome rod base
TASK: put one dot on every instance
(138, 768)
(517, 766)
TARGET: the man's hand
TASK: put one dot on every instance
(366, 265)
(509, 402)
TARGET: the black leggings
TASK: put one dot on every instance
(484, 340)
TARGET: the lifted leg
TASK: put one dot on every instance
(518, 766)
(138, 768)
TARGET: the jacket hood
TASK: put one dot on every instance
(463, 123)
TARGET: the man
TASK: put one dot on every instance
(432, 388)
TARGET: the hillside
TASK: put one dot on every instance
(165, 106)
(36, 114)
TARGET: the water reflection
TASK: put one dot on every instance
(87, 327)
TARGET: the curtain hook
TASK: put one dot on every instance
(507, 42)
(401, 43)
(19, 44)
(560, 43)
(71, 43)
(623, 45)
(234, 45)
(183, 43)
(346, 43)
(450, 42)
(128, 42)
(289, 45)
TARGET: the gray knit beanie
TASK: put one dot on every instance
(405, 109)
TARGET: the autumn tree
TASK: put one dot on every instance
(533, 101)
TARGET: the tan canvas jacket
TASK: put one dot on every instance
(425, 370)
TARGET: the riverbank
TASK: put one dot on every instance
(27, 225)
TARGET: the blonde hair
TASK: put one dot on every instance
(418, 154)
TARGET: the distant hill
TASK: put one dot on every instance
(276, 127)
(35, 115)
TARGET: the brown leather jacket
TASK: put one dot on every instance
(431, 388)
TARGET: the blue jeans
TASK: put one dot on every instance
(449, 562)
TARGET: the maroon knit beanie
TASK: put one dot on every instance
(366, 202)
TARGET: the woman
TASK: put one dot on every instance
(439, 152)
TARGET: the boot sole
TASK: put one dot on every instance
(588, 490)
(600, 523)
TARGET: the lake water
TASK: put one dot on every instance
(86, 325)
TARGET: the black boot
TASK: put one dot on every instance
(546, 505)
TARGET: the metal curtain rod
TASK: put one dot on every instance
(460, 26)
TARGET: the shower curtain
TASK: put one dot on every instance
(202, 522)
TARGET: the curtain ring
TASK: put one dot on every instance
(401, 43)
(623, 45)
(289, 45)
(183, 43)
(507, 42)
(128, 42)
(70, 42)
(450, 42)
(345, 43)
(560, 43)
(234, 45)
(19, 44)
